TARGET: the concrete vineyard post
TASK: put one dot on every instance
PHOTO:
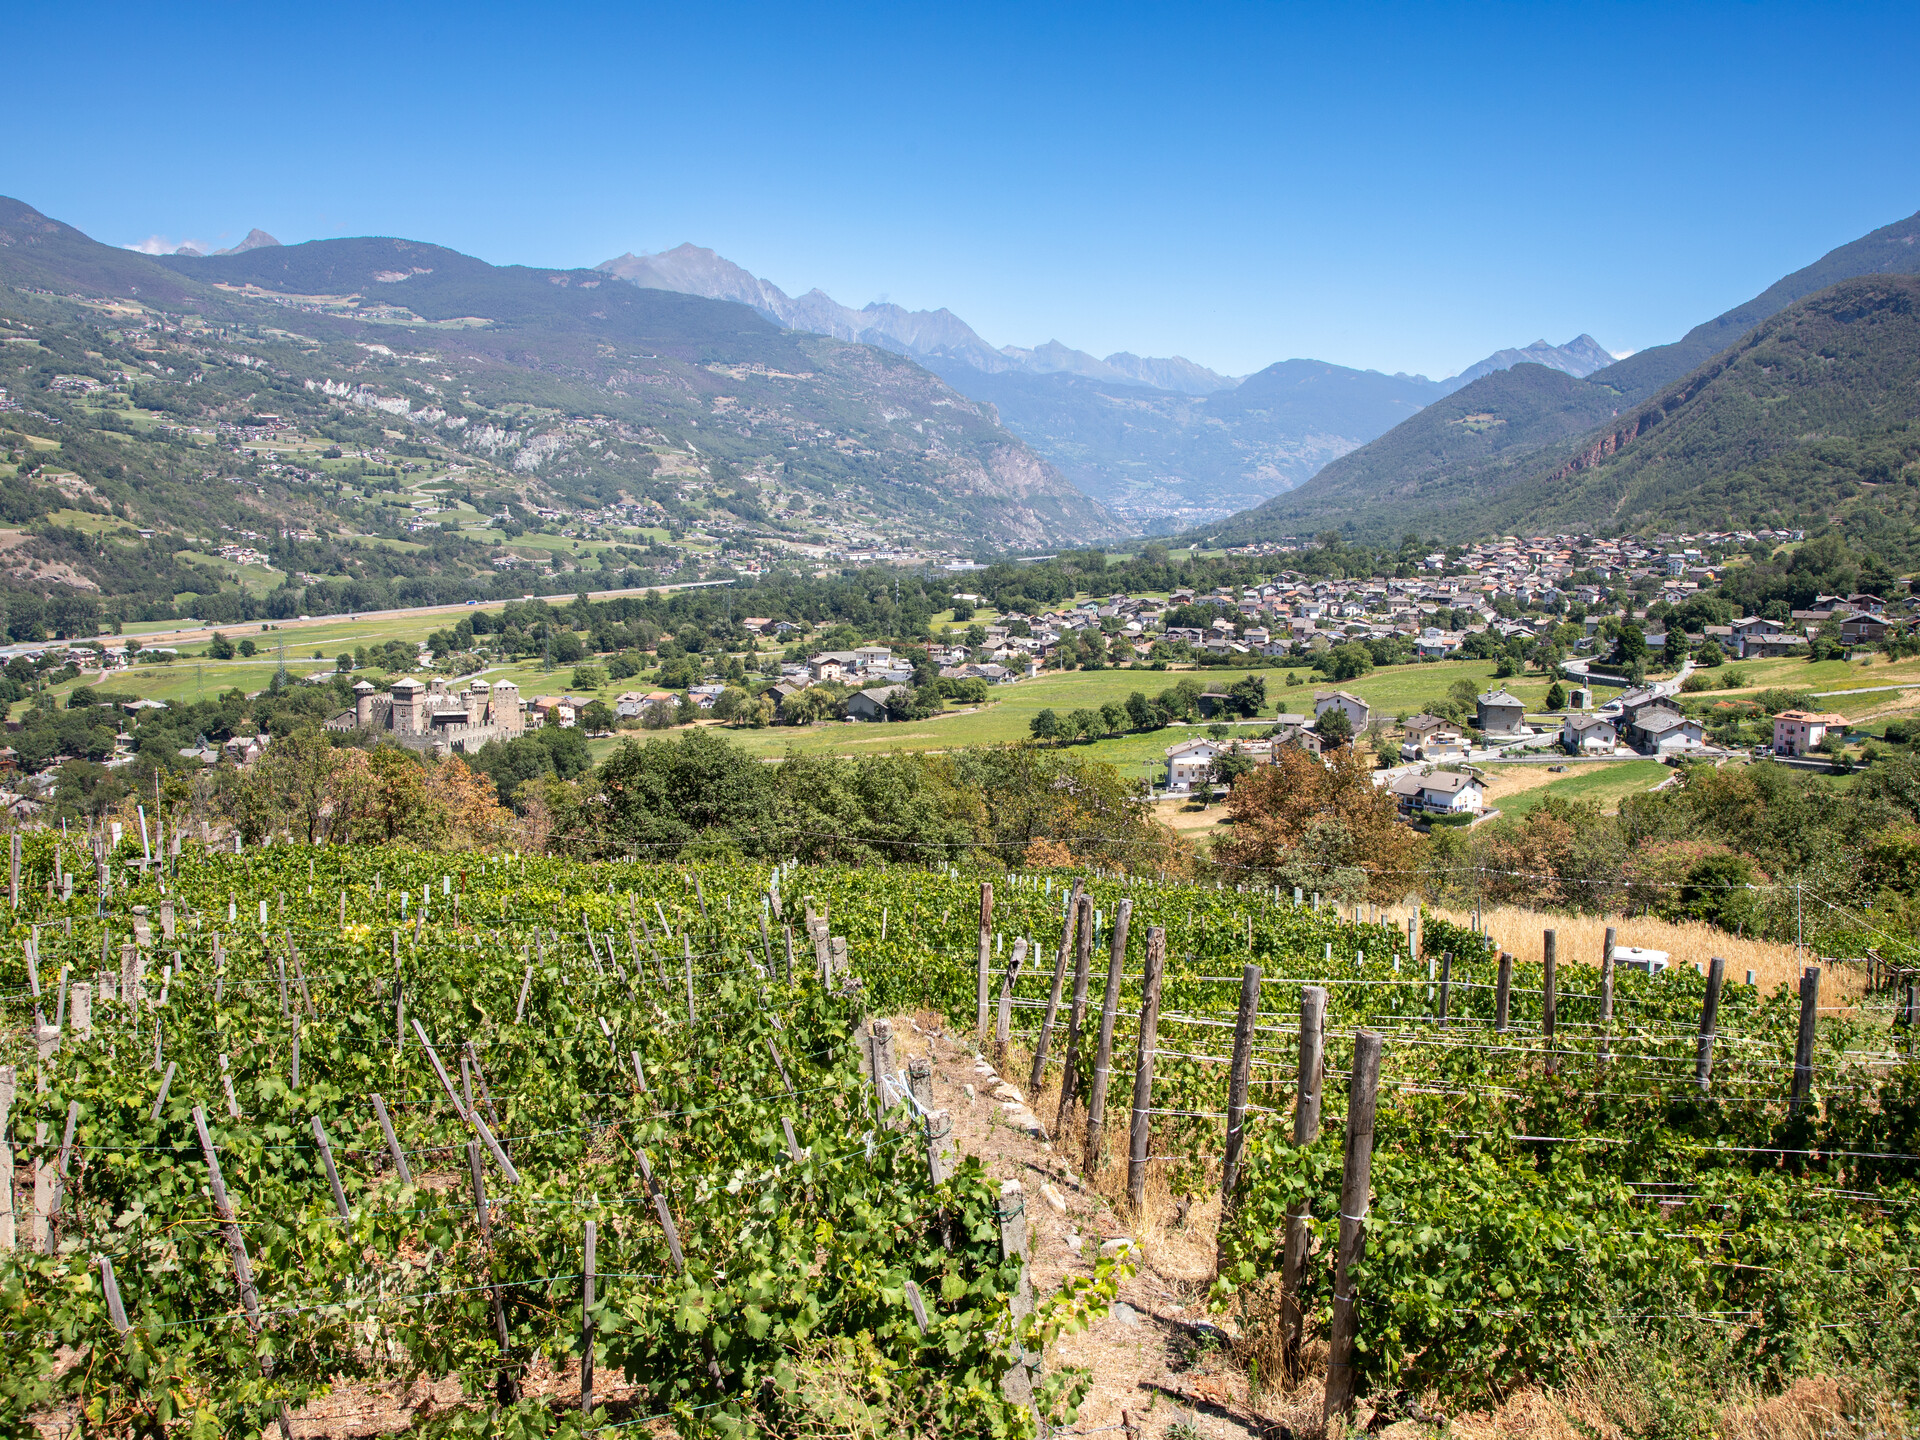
(1503, 993)
(920, 1081)
(1709, 1013)
(1039, 1074)
(1803, 1041)
(1355, 1182)
(1446, 983)
(986, 955)
(1017, 1385)
(1143, 1068)
(1306, 1129)
(1237, 1080)
(1003, 1025)
(1076, 1014)
(1103, 1054)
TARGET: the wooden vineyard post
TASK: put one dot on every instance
(1003, 1026)
(505, 1388)
(1306, 1129)
(777, 1064)
(665, 1214)
(687, 945)
(1143, 1068)
(1709, 1013)
(7, 1237)
(787, 930)
(1237, 1080)
(880, 1060)
(1076, 1014)
(586, 1321)
(1803, 1041)
(110, 1289)
(333, 1175)
(1053, 996)
(1503, 993)
(1103, 1054)
(237, 1247)
(1606, 990)
(986, 953)
(1017, 1384)
(1549, 996)
(1355, 1184)
(917, 1304)
(393, 1141)
(939, 1131)
(766, 943)
(1446, 983)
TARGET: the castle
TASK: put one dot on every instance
(434, 718)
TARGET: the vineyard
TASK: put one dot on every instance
(624, 1146)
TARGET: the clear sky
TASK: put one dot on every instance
(1392, 187)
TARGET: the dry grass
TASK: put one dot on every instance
(1691, 943)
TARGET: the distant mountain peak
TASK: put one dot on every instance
(694, 270)
(257, 239)
(1579, 357)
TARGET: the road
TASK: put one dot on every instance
(192, 634)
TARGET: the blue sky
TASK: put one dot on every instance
(1391, 187)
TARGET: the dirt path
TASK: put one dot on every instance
(1157, 1345)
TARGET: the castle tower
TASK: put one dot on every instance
(506, 708)
(409, 717)
(478, 694)
(363, 704)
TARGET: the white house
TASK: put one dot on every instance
(1191, 762)
(1796, 732)
(1584, 734)
(1661, 732)
(1357, 710)
(1445, 792)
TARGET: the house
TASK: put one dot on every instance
(1582, 734)
(872, 704)
(1357, 710)
(780, 694)
(1190, 763)
(1445, 792)
(1863, 630)
(1632, 704)
(1215, 702)
(1660, 732)
(554, 710)
(1772, 647)
(1499, 712)
(1298, 735)
(1797, 732)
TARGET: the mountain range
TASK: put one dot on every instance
(252, 394)
(1794, 407)
(1163, 442)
